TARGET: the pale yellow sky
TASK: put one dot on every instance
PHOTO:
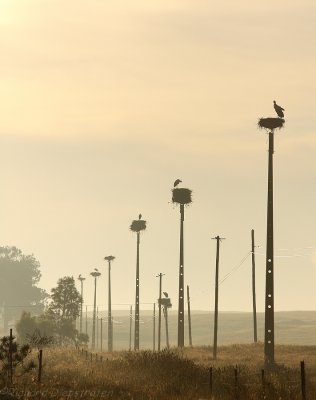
(105, 103)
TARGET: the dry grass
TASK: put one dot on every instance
(171, 375)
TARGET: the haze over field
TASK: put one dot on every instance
(104, 104)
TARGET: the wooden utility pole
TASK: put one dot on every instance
(218, 239)
(130, 327)
(86, 320)
(189, 315)
(154, 328)
(254, 307)
(165, 311)
(160, 275)
(101, 322)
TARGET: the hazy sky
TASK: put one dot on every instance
(105, 103)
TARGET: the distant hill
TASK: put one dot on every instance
(293, 327)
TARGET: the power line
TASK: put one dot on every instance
(235, 268)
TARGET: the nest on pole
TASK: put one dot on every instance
(95, 274)
(109, 258)
(271, 123)
(138, 225)
(182, 196)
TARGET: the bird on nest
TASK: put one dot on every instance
(176, 183)
(278, 109)
(166, 294)
(140, 216)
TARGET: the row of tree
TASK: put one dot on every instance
(43, 315)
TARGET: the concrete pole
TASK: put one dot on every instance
(269, 299)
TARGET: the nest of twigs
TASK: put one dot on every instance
(271, 123)
(181, 196)
(109, 258)
(138, 225)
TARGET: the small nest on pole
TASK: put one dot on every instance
(138, 225)
(95, 274)
(109, 258)
(181, 196)
(271, 123)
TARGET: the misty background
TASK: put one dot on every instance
(104, 105)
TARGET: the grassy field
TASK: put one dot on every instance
(170, 375)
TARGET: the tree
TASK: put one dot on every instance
(31, 329)
(19, 277)
(66, 299)
(64, 309)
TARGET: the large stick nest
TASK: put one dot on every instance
(138, 225)
(181, 196)
(271, 123)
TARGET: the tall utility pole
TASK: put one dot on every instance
(101, 322)
(159, 309)
(154, 328)
(95, 275)
(189, 315)
(130, 327)
(86, 320)
(218, 240)
(137, 226)
(270, 124)
(269, 306)
(165, 311)
(109, 259)
(181, 196)
(81, 279)
(254, 307)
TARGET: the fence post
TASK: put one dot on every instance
(91, 357)
(211, 380)
(303, 386)
(40, 363)
(86, 354)
(263, 384)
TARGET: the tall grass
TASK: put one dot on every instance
(169, 375)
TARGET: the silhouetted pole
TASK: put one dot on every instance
(254, 307)
(165, 311)
(95, 274)
(270, 124)
(269, 306)
(154, 328)
(189, 315)
(159, 310)
(86, 320)
(181, 196)
(101, 322)
(109, 259)
(81, 279)
(97, 330)
(130, 327)
(136, 338)
(218, 239)
(137, 226)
